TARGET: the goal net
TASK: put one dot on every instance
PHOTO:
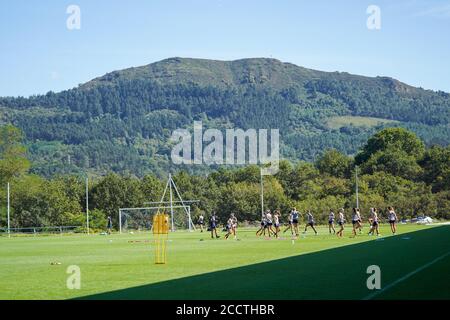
(141, 219)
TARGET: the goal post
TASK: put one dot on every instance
(141, 219)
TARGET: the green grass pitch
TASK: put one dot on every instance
(313, 267)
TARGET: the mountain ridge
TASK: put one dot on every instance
(122, 121)
(248, 62)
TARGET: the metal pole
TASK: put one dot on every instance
(189, 219)
(87, 205)
(171, 203)
(120, 221)
(164, 193)
(357, 195)
(9, 229)
(262, 193)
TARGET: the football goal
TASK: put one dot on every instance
(141, 219)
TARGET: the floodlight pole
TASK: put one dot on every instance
(189, 219)
(87, 204)
(120, 221)
(357, 194)
(7, 209)
(262, 192)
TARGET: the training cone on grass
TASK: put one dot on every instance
(160, 234)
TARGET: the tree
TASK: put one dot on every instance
(13, 161)
(36, 202)
(114, 192)
(436, 165)
(304, 182)
(443, 205)
(393, 161)
(393, 139)
(240, 198)
(249, 174)
(97, 220)
(334, 163)
(62, 201)
(336, 186)
(27, 206)
(152, 188)
(284, 172)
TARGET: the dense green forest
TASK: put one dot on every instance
(122, 121)
(394, 165)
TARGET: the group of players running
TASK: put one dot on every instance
(271, 223)
(230, 226)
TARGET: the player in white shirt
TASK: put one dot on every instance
(392, 216)
(233, 224)
(356, 221)
(341, 221)
(269, 224)
(276, 222)
(229, 227)
(358, 211)
(374, 226)
(201, 222)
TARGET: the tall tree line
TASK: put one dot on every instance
(395, 169)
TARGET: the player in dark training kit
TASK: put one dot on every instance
(289, 227)
(229, 227)
(109, 225)
(295, 217)
(213, 225)
(331, 222)
(262, 227)
(310, 222)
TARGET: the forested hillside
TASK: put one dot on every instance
(122, 121)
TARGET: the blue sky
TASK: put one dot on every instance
(38, 53)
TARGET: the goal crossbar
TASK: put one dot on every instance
(173, 201)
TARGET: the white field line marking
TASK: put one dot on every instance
(374, 294)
